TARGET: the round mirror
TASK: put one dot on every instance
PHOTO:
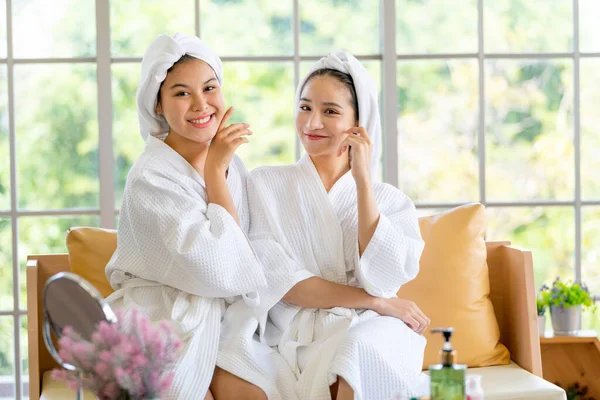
(70, 300)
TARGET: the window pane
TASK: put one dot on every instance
(436, 26)
(590, 261)
(58, 28)
(134, 24)
(6, 275)
(4, 144)
(590, 251)
(529, 129)
(426, 212)
(263, 96)
(2, 28)
(523, 26)
(57, 135)
(590, 132)
(45, 235)
(437, 129)
(7, 358)
(591, 321)
(548, 232)
(351, 25)
(127, 142)
(24, 359)
(589, 30)
(255, 28)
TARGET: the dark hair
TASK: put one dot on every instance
(343, 78)
(184, 58)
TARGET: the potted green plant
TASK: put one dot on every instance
(565, 300)
(577, 392)
(542, 306)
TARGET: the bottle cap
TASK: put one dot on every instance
(447, 354)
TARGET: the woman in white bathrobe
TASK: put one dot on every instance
(182, 248)
(343, 244)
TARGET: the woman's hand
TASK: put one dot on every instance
(224, 144)
(359, 149)
(406, 311)
(359, 153)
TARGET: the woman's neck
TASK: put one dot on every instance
(331, 168)
(193, 152)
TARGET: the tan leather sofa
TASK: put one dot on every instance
(512, 294)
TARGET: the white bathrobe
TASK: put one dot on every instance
(299, 230)
(178, 257)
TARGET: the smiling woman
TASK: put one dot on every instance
(184, 212)
(342, 274)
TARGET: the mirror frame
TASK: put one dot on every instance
(48, 326)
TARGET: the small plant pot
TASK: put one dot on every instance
(566, 321)
(542, 324)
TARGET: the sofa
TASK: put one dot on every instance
(506, 354)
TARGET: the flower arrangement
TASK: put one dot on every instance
(128, 359)
(564, 295)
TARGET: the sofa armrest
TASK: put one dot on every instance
(33, 329)
(512, 291)
(39, 269)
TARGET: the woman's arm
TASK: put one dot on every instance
(359, 152)
(392, 256)
(319, 293)
(316, 292)
(187, 244)
(217, 191)
(368, 213)
(220, 153)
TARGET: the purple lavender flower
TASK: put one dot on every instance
(130, 356)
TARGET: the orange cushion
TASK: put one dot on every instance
(453, 287)
(90, 250)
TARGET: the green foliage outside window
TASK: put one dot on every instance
(528, 108)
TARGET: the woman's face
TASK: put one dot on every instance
(325, 113)
(191, 101)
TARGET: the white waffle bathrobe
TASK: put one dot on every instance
(178, 257)
(299, 230)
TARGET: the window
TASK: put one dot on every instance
(479, 101)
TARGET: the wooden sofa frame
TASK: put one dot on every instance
(512, 292)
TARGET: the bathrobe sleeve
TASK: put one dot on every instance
(282, 270)
(392, 256)
(200, 247)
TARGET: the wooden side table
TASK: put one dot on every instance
(570, 359)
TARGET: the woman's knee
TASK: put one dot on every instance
(226, 386)
(341, 390)
(209, 396)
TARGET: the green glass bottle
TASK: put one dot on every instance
(447, 378)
